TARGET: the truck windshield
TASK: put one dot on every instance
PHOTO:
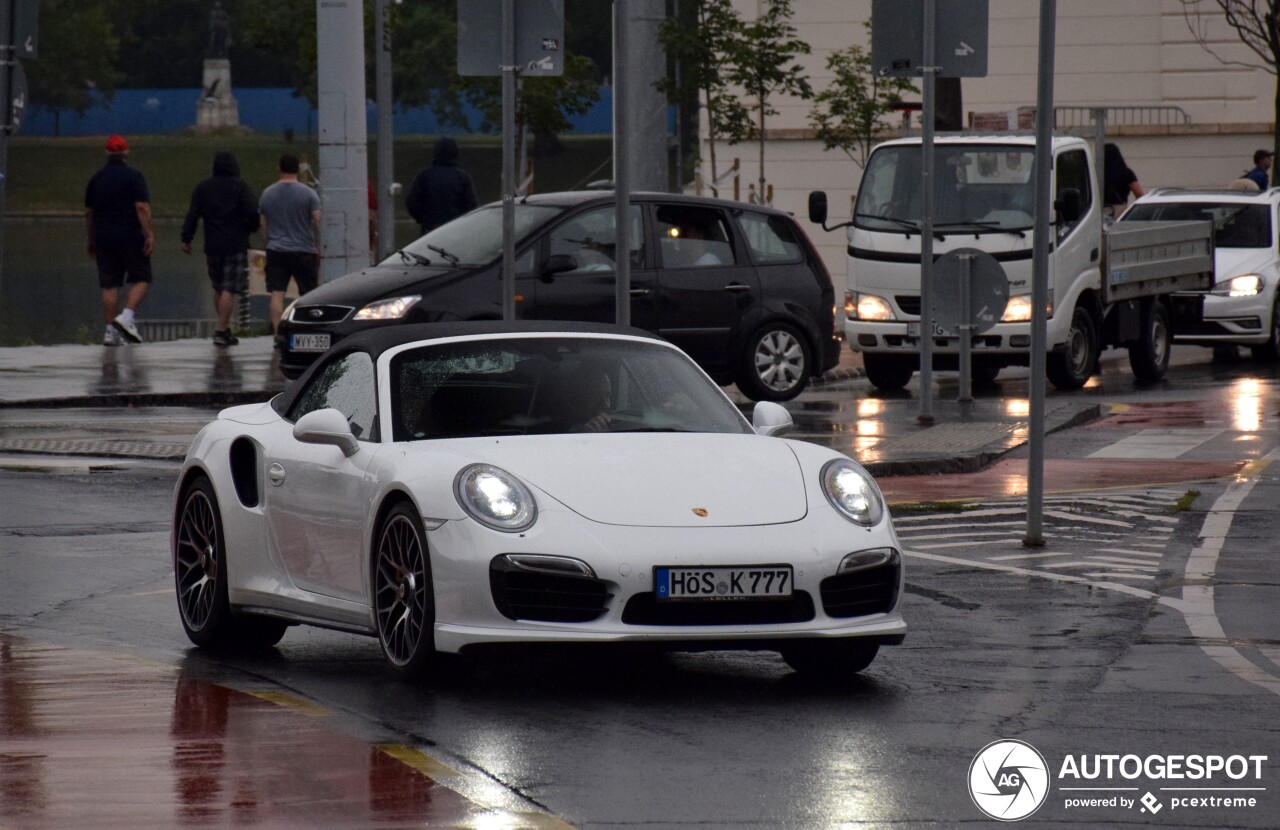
(981, 188)
(474, 238)
(1235, 225)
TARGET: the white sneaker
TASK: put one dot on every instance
(128, 329)
(111, 337)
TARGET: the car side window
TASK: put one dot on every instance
(693, 237)
(771, 238)
(346, 385)
(1073, 172)
(590, 239)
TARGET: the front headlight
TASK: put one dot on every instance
(1246, 285)
(288, 312)
(495, 498)
(392, 309)
(1018, 309)
(852, 493)
(871, 307)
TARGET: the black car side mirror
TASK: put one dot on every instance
(558, 264)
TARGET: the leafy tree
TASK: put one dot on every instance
(700, 50)
(1257, 26)
(760, 60)
(851, 110)
(76, 45)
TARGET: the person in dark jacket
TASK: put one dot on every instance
(443, 191)
(230, 212)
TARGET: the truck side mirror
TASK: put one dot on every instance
(818, 207)
(1069, 205)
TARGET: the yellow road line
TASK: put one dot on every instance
(297, 704)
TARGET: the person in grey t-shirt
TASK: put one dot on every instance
(291, 224)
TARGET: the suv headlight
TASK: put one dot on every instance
(495, 498)
(392, 309)
(1245, 285)
(852, 493)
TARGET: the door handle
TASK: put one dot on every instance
(639, 292)
(276, 474)
(737, 287)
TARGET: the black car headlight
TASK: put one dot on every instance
(852, 493)
(495, 498)
(390, 309)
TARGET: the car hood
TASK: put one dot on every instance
(661, 479)
(1232, 262)
(374, 283)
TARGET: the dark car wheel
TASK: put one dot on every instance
(1149, 355)
(403, 597)
(1071, 367)
(889, 372)
(829, 660)
(1269, 352)
(776, 364)
(200, 579)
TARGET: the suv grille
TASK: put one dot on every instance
(316, 314)
(643, 609)
(858, 593)
(545, 597)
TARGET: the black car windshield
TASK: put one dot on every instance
(980, 188)
(547, 385)
(1235, 225)
(474, 238)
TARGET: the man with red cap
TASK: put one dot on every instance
(117, 212)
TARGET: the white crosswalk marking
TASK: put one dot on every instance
(1119, 535)
(1157, 443)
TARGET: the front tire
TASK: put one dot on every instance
(1269, 352)
(776, 364)
(889, 372)
(1149, 355)
(403, 594)
(1071, 367)
(829, 659)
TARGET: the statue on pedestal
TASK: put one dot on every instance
(217, 108)
(219, 32)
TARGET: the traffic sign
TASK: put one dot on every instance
(539, 37)
(17, 97)
(969, 289)
(26, 28)
(897, 38)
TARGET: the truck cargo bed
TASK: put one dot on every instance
(1149, 258)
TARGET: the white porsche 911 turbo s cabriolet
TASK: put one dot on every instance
(449, 486)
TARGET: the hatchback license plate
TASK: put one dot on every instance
(309, 342)
(738, 582)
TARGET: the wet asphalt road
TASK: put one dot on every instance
(1182, 658)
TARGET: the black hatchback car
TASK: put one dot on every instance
(738, 287)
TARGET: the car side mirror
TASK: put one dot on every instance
(1069, 205)
(770, 418)
(559, 264)
(818, 207)
(327, 426)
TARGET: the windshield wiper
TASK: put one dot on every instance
(410, 256)
(906, 224)
(453, 260)
(978, 226)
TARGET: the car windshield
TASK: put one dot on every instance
(474, 238)
(981, 188)
(549, 385)
(1235, 225)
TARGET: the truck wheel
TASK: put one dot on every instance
(889, 372)
(1149, 355)
(1070, 367)
(776, 364)
(984, 373)
(1269, 352)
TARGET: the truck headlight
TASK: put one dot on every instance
(1018, 309)
(871, 307)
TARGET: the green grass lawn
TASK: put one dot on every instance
(48, 175)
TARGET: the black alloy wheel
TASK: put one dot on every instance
(403, 598)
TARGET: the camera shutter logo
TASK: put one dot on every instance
(1008, 780)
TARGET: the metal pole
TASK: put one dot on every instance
(386, 224)
(621, 165)
(6, 76)
(929, 71)
(1040, 275)
(966, 327)
(508, 159)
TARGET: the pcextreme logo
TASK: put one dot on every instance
(1009, 780)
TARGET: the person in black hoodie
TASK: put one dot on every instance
(230, 212)
(443, 191)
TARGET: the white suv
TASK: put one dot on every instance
(1240, 309)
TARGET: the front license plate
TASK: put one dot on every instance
(308, 342)
(742, 582)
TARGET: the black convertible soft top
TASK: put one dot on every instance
(375, 341)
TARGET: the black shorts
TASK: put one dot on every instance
(302, 267)
(116, 260)
(228, 272)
